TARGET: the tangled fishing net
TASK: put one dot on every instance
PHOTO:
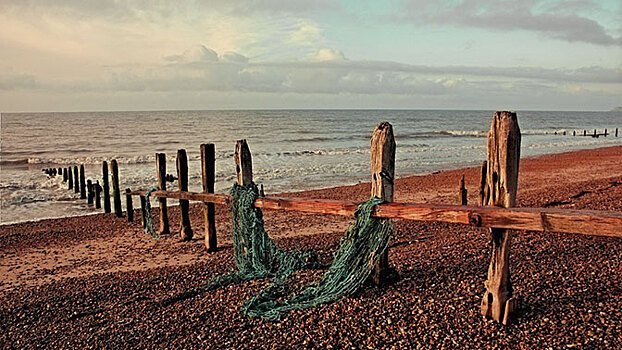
(257, 256)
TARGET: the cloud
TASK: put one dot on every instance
(559, 22)
(327, 54)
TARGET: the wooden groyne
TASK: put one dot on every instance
(495, 211)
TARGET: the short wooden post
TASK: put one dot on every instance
(243, 163)
(616, 132)
(584, 132)
(504, 141)
(463, 192)
(116, 193)
(161, 168)
(70, 178)
(482, 184)
(82, 183)
(65, 175)
(143, 210)
(76, 179)
(89, 192)
(574, 133)
(129, 205)
(383, 175)
(106, 187)
(595, 133)
(185, 231)
(208, 172)
(98, 191)
(606, 133)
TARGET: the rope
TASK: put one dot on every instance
(148, 220)
(257, 256)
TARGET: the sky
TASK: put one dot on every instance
(83, 55)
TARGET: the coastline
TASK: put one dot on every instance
(51, 266)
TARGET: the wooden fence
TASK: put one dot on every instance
(495, 211)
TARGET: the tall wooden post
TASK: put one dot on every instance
(463, 192)
(82, 183)
(185, 230)
(208, 171)
(482, 184)
(106, 187)
(161, 168)
(98, 191)
(129, 205)
(89, 192)
(116, 193)
(70, 179)
(383, 175)
(243, 163)
(504, 141)
(76, 180)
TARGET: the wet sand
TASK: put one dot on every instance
(96, 281)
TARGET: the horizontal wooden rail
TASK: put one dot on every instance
(588, 222)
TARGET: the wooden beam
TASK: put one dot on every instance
(185, 230)
(161, 169)
(504, 140)
(208, 175)
(383, 175)
(587, 222)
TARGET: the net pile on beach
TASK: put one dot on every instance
(257, 256)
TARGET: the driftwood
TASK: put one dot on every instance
(383, 175)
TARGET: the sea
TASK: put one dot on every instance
(292, 150)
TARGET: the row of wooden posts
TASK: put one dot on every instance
(497, 195)
(585, 133)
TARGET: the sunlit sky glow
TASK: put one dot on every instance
(78, 55)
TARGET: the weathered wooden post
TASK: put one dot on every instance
(70, 179)
(606, 133)
(65, 175)
(129, 205)
(574, 133)
(90, 195)
(616, 132)
(463, 192)
(116, 193)
(185, 231)
(208, 173)
(76, 180)
(143, 210)
(595, 133)
(161, 168)
(584, 132)
(98, 191)
(504, 141)
(482, 184)
(243, 163)
(82, 183)
(106, 187)
(383, 175)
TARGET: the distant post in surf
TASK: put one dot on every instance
(106, 187)
(82, 183)
(76, 180)
(116, 193)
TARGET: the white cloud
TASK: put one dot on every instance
(327, 54)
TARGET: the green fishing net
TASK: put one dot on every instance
(257, 256)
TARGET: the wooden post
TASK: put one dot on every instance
(76, 180)
(504, 141)
(65, 175)
(595, 133)
(463, 192)
(584, 132)
(106, 187)
(383, 174)
(616, 132)
(185, 231)
(243, 163)
(82, 183)
(129, 205)
(208, 172)
(482, 184)
(70, 179)
(606, 133)
(89, 189)
(98, 191)
(161, 168)
(574, 133)
(116, 193)
(143, 210)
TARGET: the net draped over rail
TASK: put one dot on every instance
(257, 256)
